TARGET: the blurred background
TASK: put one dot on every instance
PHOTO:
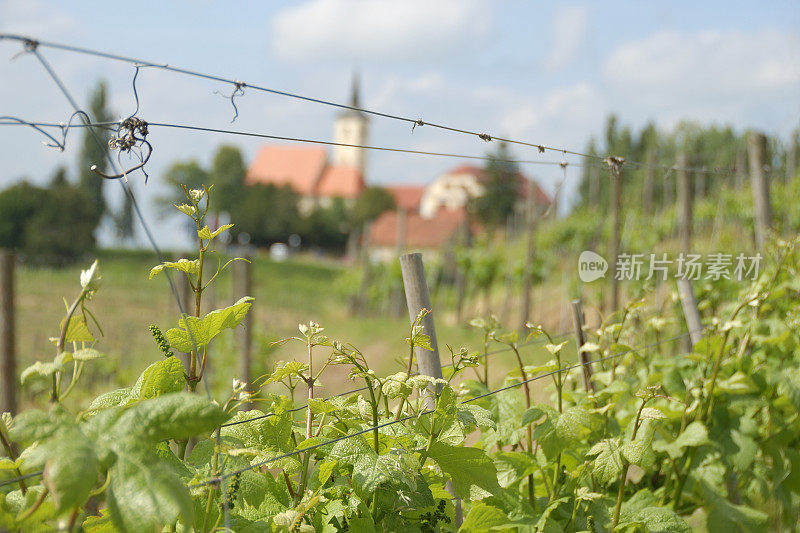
(655, 83)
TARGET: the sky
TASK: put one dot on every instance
(547, 73)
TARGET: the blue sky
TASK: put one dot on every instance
(544, 72)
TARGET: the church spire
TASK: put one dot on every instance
(354, 99)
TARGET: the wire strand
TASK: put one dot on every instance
(33, 44)
(219, 479)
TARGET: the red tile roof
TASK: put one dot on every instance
(340, 182)
(298, 166)
(407, 197)
(420, 232)
(306, 170)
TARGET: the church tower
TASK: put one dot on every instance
(351, 128)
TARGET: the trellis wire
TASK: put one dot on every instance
(32, 44)
(221, 478)
(403, 419)
(57, 80)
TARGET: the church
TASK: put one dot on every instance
(317, 177)
(427, 216)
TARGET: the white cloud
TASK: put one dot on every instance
(708, 63)
(562, 115)
(381, 29)
(569, 25)
(33, 17)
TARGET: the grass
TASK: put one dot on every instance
(286, 294)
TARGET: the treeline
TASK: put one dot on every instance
(56, 223)
(268, 213)
(651, 186)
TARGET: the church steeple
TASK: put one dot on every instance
(351, 128)
(354, 101)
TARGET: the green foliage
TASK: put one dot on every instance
(369, 206)
(501, 189)
(267, 213)
(94, 150)
(52, 225)
(663, 441)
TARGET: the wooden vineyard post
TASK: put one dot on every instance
(418, 298)
(647, 191)
(690, 312)
(741, 168)
(461, 275)
(684, 203)
(8, 363)
(615, 166)
(527, 273)
(396, 297)
(585, 357)
(362, 299)
(594, 185)
(756, 146)
(791, 157)
(243, 286)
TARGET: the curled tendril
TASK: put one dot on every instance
(237, 91)
(131, 137)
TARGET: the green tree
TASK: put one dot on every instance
(501, 189)
(369, 206)
(227, 175)
(123, 220)
(267, 213)
(62, 230)
(188, 173)
(18, 203)
(94, 153)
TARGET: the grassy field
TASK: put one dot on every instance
(286, 294)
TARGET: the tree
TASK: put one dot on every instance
(267, 213)
(188, 173)
(501, 189)
(123, 220)
(62, 230)
(227, 175)
(19, 203)
(48, 225)
(369, 206)
(93, 152)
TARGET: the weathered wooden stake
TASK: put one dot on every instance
(690, 312)
(243, 286)
(791, 157)
(527, 274)
(8, 363)
(741, 168)
(396, 296)
(594, 185)
(585, 357)
(649, 178)
(684, 203)
(613, 248)
(756, 147)
(461, 276)
(418, 298)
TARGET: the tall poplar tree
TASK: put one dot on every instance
(94, 153)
